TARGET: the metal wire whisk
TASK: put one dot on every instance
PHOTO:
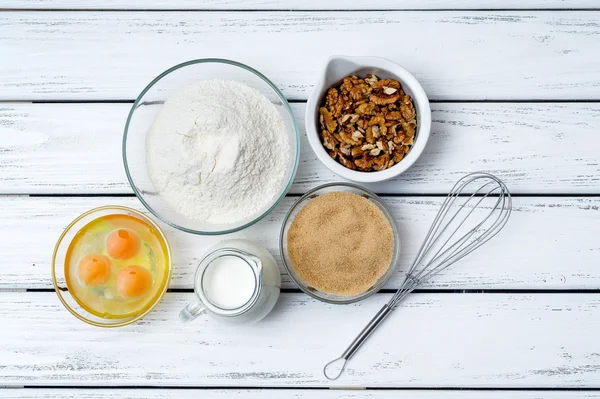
(463, 224)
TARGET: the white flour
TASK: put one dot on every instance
(218, 152)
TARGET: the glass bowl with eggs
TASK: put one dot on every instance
(111, 266)
(211, 146)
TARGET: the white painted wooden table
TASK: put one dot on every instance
(515, 91)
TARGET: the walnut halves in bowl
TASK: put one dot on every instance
(367, 124)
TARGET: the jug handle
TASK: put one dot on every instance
(191, 311)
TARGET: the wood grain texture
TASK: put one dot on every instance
(433, 340)
(296, 4)
(455, 55)
(535, 148)
(549, 243)
(166, 393)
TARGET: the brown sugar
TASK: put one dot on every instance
(340, 243)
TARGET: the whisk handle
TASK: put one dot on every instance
(368, 330)
(357, 343)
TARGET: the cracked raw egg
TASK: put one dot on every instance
(94, 270)
(122, 244)
(133, 281)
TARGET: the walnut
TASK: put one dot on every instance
(383, 99)
(398, 154)
(371, 79)
(364, 163)
(356, 152)
(393, 116)
(407, 108)
(386, 83)
(349, 119)
(329, 141)
(367, 147)
(383, 146)
(364, 109)
(399, 139)
(348, 139)
(376, 131)
(391, 146)
(409, 128)
(357, 88)
(381, 163)
(339, 106)
(356, 135)
(369, 135)
(367, 124)
(332, 97)
(344, 161)
(374, 152)
(328, 120)
(378, 125)
(359, 92)
(385, 92)
(362, 124)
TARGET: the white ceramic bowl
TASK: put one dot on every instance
(337, 68)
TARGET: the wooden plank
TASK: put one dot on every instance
(516, 54)
(296, 4)
(535, 148)
(549, 243)
(433, 340)
(166, 393)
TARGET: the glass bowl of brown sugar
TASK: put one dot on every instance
(339, 243)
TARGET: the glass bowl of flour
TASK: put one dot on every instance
(210, 146)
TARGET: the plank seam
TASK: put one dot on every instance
(555, 9)
(288, 388)
(293, 195)
(389, 291)
(301, 101)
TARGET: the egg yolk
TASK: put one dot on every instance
(122, 243)
(94, 270)
(133, 281)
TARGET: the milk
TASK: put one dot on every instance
(229, 282)
(237, 282)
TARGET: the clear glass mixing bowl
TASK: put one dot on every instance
(150, 101)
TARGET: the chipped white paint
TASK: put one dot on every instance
(433, 340)
(296, 4)
(549, 243)
(167, 393)
(455, 55)
(535, 148)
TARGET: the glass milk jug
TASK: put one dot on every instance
(237, 282)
